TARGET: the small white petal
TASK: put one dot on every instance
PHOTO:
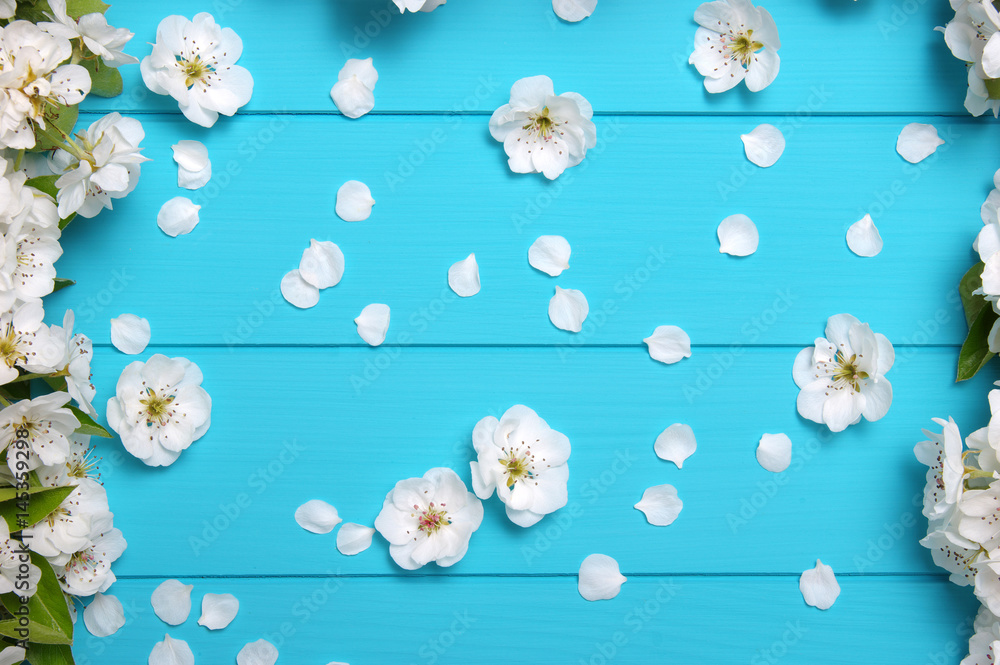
(863, 238)
(363, 70)
(373, 323)
(171, 602)
(917, 142)
(660, 504)
(194, 169)
(218, 610)
(764, 145)
(14, 655)
(550, 254)
(668, 344)
(104, 615)
(463, 277)
(178, 216)
(819, 587)
(322, 264)
(568, 309)
(600, 578)
(260, 652)
(317, 516)
(738, 236)
(354, 538)
(171, 652)
(573, 10)
(193, 179)
(354, 92)
(130, 334)
(298, 291)
(774, 452)
(354, 201)
(675, 444)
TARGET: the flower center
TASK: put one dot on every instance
(742, 47)
(847, 371)
(10, 347)
(517, 467)
(157, 407)
(432, 519)
(541, 124)
(194, 70)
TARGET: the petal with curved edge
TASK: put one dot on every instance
(863, 238)
(354, 201)
(130, 334)
(549, 254)
(178, 216)
(675, 444)
(819, 586)
(104, 615)
(568, 309)
(352, 98)
(774, 452)
(917, 142)
(764, 145)
(218, 610)
(171, 602)
(260, 652)
(660, 504)
(737, 236)
(171, 652)
(354, 538)
(298, 291)
(463, 277)
(317, 516)
(599, 578)
(668, 344)
(322, 264)
(373, 323)
(573, 10)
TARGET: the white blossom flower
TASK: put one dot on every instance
(49, 425)
(942, 453)
(104, 615)
(429, 519)
(28, 253)
(195, 63)
(984, 644)
(418, 5)
(160, 408)
(171, 602)
(819, 586)
(599, 578)
(26, 342)
(78, 350)
(524, 461)
(93, 29)
(105, 165)
(543, 132)
(736, 42)
(80, 465)
(88, 570)
(78, 522)
(957, 555)
(842, 378)
(354, 91)
(32, 79)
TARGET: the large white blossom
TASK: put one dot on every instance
(842, 377)
(195, 63)
(88, 570)
(942, 453)
(736, 41)
(543, 132)
(73, 527)
(27, 271)
(984, 644)
(160, 408)
(27, 343)
(429, 519)
(49, 425)
(524, 461)
(95, 33)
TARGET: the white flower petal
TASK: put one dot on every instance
(298, 291)
(171, 652)
(373, 323)
(363, 70)
(130, 334)
(463, 277)
(218, 610)
(764, 145)
(317, 516)
(171, 602)
(863, 238)
(660, 504)
(600, 578)
(917, 142)
(193, 179)
(14, 655)
(322, 264)
(104, 615)
(194, 169)
(354, 201)
(774, 452)
(675, 444)
(178, 216)
(354, 538)
(573, 10)
(568, 309)
(260, 652)
(550, 254)
(738, 236)
(668, 344)
(819, 587)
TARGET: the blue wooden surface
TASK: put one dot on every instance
(303, 409)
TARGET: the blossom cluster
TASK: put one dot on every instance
(972, 38)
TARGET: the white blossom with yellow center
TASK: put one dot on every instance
(735, 42)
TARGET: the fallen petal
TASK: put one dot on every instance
(298, 291)
(463, 277)
(354, 201)
(363, 70)
(218, 610)
(660, 504)
(863, 238)
(819, 587)
(322, 264)
(774, 452)
(550, 254)
(194, 169)
(352, 97)
(317, 516)
(373, 323)
(178, 216)
(675, 444)
(600, 578)
(260, 652)
(130, 334)
(193, 179)
(568, 309)
(354, 538)
(171, 652)
(917, 142)
(104, 615)
(764, 145)
(668, 344)
(738, 236)
(171, 602)
(573, 10)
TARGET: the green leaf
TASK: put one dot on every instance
(88, 425)
(105, 81)
(971, 281)
(63, 223)
(992, 88)
(61, 283)
(61, 116)
(77, 8)
(15, 391)
(40, 505)
(44, 183)
(50, 654)
(48, 614)
(11, 493)
(975, 351)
